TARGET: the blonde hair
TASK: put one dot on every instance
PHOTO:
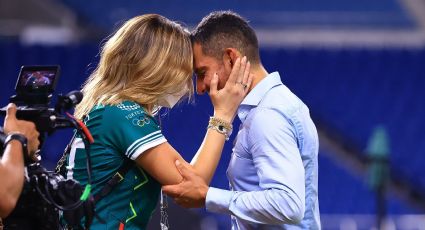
(148, 57)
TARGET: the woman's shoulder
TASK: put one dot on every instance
(127, 111)
(128, 106)
(124, 109)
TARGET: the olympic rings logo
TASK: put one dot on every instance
(141, 121)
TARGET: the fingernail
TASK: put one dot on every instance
(215, 75)
(177, 162)
(244, 58)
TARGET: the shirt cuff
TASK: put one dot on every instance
(218, 200)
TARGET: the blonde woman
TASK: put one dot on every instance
(146, 64)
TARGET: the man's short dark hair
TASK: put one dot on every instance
(226, 29)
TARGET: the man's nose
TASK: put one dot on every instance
(200, 87)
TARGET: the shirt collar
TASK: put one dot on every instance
(257, 93)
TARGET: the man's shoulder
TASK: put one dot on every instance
(282, 99)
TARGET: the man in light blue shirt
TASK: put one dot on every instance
(273, 171)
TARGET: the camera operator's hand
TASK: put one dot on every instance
(26, 128)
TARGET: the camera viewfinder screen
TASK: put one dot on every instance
(37, 79)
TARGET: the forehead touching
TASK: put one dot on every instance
(202, 61)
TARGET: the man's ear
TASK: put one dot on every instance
(230, 56)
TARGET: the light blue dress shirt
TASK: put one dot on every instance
(273, 171)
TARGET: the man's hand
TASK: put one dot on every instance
(191, 192)
(26, 128)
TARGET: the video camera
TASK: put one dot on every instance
(34, 89)
(46, 192)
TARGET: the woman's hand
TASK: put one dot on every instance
(227, 100)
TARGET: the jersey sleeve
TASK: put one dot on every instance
(130, 130)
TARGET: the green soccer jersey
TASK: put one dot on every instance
(120, 131)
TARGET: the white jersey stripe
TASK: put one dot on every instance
(129, 149)
(153, 138)
(77, 144)
(147, 146)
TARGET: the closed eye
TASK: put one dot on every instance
(200, 73)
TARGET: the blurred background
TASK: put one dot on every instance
(358, 65)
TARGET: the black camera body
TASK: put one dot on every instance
(34, 88)
(34, 211)
(44, 191)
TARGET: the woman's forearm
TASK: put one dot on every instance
(206, 159)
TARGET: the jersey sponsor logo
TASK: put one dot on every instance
(134, 114)
(141, 121)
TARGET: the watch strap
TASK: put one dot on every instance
(22, 139)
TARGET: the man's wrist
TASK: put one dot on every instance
(204, 193)
(218, 200)
(14, 138)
